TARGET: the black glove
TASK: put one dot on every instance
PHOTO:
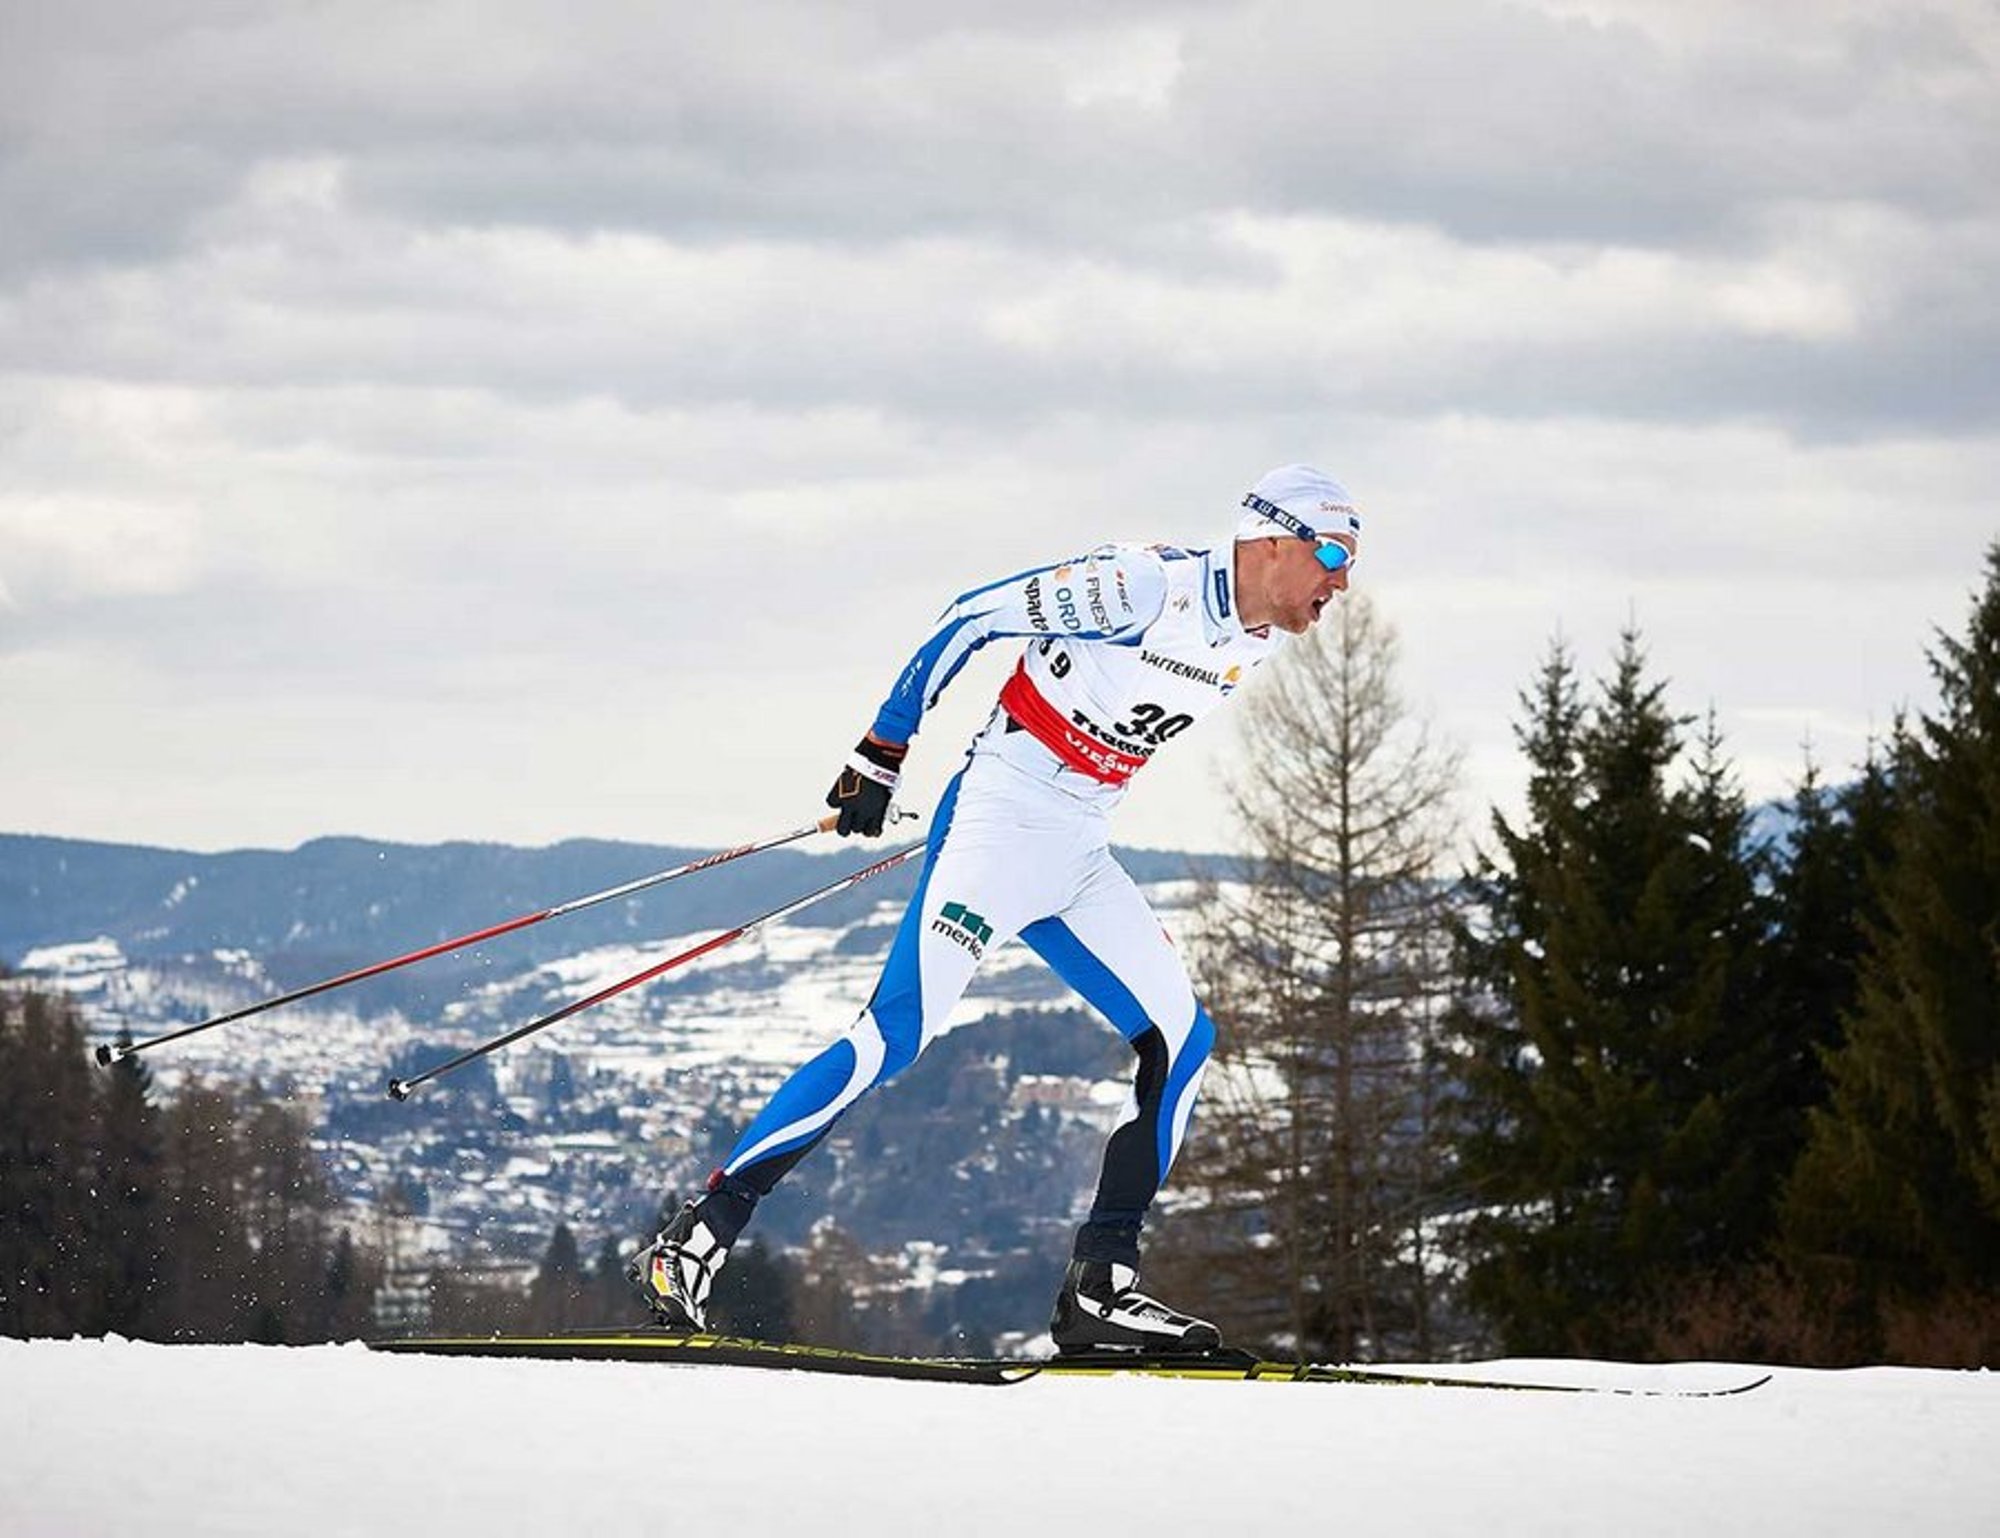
(862, 792)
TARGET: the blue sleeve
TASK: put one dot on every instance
(1111, 594)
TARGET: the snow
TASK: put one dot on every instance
(83, 965)
(115, 1437)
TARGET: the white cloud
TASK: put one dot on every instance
(391, 393)
(1134, 67)
(58, 550)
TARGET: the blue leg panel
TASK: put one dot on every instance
(806, 1100)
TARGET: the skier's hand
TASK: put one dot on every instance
(867, 781)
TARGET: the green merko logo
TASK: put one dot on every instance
(956, 922)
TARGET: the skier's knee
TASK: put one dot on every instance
(898, 1031)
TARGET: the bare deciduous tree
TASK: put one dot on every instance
(1308, 1179)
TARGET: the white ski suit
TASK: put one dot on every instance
(1127, 647)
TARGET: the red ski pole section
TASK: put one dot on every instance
(108, 1054)
(399, 1089)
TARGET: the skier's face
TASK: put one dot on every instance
(1282, 582)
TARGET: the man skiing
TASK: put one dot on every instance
(1127, 647)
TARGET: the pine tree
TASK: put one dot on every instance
(1612, 1069)
(1899, 1187)
(50, 1241)
(608, 1294)
(287, 1197)
(753, 1295)
(1822, 899)
(556, 1296)
(1510, 1154)
(200, 1220)
(129, 1151)
(1731, 1070)
(209, 1251)
(351, 1278)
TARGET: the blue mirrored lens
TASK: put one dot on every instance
(1332, 556)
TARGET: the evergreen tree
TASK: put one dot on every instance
(1822, 898)
(611, 1293)
(1898, 1191)
(200, 1220)
(1614, 1066)
(50, 1239)
(350, 1280)
(556, 1296)
(753, 1295)
(208, 1247)
(1733, 1072)
(287, 1195)
(130, 1151)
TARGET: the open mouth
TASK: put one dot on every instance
(1320, 604)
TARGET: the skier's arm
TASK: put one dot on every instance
(1112, 595)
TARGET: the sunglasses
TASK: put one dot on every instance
(1332, 554)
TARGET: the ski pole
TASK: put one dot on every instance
(111, 1053)
(399, 1089)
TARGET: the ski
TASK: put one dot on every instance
(1247, 1367)
(655, 1345)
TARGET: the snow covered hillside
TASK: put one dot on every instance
(591, 1123)
(109, 1437)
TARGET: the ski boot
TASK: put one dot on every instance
(1101, 1309)
(674, 1275)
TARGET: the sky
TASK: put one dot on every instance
(519, 421)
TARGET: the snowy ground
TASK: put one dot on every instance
(110, 1438)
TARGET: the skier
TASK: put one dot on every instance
(1127, 647)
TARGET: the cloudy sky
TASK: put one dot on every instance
(522, 420)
